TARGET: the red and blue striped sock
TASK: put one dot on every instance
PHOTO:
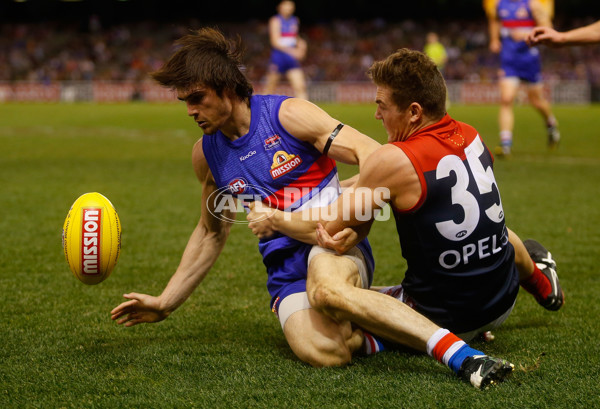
(449, 349)
(372, 345)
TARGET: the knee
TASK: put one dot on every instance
(327, 290)
(323, 296)
(319, 296)
(538, 103)
(535, 101)
(506, 101)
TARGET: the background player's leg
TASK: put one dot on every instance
(537, 100)
(273, 77)
(298, 82)
(506, 119)
(541, 104)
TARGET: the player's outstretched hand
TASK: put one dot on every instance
(260, 219)
(544, 35)
(140, 308)
(341, 242)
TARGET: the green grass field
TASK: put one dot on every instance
(224, 348)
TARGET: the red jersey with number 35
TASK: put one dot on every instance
(461, 271)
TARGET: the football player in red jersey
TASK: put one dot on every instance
(464, 266)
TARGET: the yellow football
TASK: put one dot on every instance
(91, 238)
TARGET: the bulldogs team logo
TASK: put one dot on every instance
(284, 163)
(272, 142)
(238, 186)
(522, 13)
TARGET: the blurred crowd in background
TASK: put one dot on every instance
(338, 51)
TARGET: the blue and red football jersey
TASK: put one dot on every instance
(270, 165)
(288, 37)
(517, 59)
(289, 31)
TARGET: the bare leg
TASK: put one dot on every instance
(333, 286)
(296, 78)
(508, 92)
(321, 341)
(272, 81)
(522, 258)
(537, 272)
(541, 104)
(506, 118)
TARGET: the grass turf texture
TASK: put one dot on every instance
(223, 347)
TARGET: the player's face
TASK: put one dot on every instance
(209, 111)
(286, 8)
(395, 121)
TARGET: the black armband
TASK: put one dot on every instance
(332, 137)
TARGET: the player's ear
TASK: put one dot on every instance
(416, 112)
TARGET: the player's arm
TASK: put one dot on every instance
(307, 122)
(494, 25)
(265, 221)
(202, 250)
(347, 145)
(541, 14)
(205, 244)
(583, 35)
(275, 33)
(301, 49)
(388, 176)
(349, 182)
(589, 34)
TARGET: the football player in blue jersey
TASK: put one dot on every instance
(510, 22)
(288, 49)
(258, 146)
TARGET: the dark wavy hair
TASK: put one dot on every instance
(413, 77)
(206, 58)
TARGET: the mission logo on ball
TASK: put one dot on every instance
(91, 238)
